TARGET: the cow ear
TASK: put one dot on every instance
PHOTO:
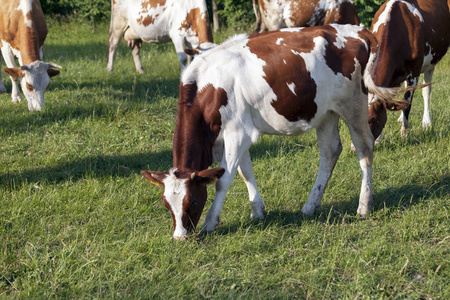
(155, 178)
(397, 107)
(15, 73)
(52, 72)
(209, 176)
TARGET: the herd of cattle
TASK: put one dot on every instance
(321, 66)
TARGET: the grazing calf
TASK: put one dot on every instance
(184, 22)
(239, 90)
(276, 14)
(413, 35)
(22, 34)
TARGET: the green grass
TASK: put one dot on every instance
(78, 220)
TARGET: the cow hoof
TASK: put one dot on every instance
(257, 217)
(426, 125)
(257, 211)
(203, 233)
(308, 210)
(16, 99)
(378, 140)
(208, 227)
(180, 238)
(363, 216)
(141, 71)
(363, 212)
(404, 132)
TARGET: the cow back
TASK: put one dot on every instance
(413, 35)
(282, 82)
(301, 13)
(22, 25)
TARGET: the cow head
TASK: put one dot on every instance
(184, 195)
(377, 118)
(378, 115)
(34, 79)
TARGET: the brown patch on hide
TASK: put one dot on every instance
(345, 13)
(198, 125)
(15, 31)
(198, 22)
(145, 18)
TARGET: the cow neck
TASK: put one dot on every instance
(189, 149)
(30, 38)
(204, 32)
(197, 127)
(200, 24)
(395, 49)
(29, 51)
(389, 69)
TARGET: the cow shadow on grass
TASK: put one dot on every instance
(91, 167)
(101, 166)
(19, 119)
(390, 200)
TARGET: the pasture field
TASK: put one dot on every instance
(77, 219)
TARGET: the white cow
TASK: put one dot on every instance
(184, 22)
(276, 14)
(284, 82)
(22, 34)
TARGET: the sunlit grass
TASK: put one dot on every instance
(78, 220)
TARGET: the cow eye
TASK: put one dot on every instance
(373, 120)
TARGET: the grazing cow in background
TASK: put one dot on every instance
(276, 14)
(413, 37)
(22, 34)
(239, 90)
(185, 22)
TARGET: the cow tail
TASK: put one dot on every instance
(383, 94)
(254, 8)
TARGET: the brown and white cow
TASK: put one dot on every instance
(276, 14)
(413, 35)
(184, 22)
(22, 34)
(239, 90)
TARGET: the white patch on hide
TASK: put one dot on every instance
(26, 6)
(174, 193)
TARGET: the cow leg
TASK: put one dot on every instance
(10, 63)
(113, 43)
(245, 170)
(330, 148)
(136, 52)
(426, 93)
(116, 30)
(364, 143)
(235, 144)
(404, 117)
(2, 86)
(178, 42)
